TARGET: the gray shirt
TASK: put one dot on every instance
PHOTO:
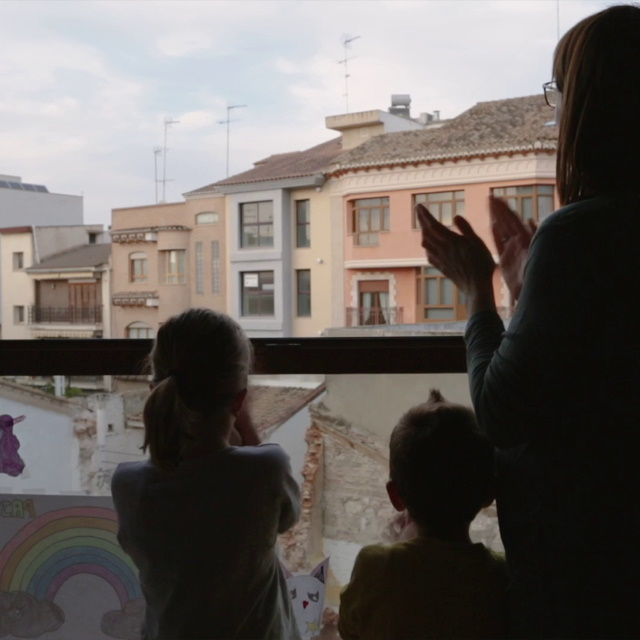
(203, 538)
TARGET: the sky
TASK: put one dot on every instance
(87, 85)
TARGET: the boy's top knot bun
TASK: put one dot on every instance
(435, 396)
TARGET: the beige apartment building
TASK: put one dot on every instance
(167, 257)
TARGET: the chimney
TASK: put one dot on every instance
(400, 105)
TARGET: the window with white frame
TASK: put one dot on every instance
(140, 330)
(257, 290)
(207, 217)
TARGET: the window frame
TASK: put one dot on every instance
(457, 306)
(435, 205)
(261, 295)
(303, 297)
(181, 261)
(519, 198)
(199, 216)
(18, 260)
(19, 314)
(138, 257)
(216, 273)
(306, 224)
(358, 206)
(199, 267)
(258, 224)
(138, 326)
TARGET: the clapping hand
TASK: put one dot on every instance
(512, 238)
(463, 257)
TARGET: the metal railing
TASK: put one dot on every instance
(65, 315)
(368, 316)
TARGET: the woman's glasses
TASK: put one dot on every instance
(551, 93)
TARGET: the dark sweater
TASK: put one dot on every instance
(559, 395)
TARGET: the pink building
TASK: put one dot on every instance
(504, 147)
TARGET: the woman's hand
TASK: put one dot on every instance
(512, 238)
(462, 257)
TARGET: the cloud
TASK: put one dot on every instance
(23, 616)
(125, 623)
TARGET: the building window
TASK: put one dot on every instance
(256, 224)
(210, 217)
(18, 315)
(174, 266)
(93, 237)
(138, 267)
(373, 303)
(443, 206)
(215, 267)
(533, 202)
(303, 293)
(257, 293)
(438, 297)
(303, 224)
(140, 330)
(369, 216)
(18, 260)
(199, 268)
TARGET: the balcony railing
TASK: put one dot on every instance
(367, 316)
(65, 315)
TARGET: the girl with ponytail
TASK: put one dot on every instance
(200, 518)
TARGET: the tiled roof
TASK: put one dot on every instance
(10, 230)
(83, 256)
(271, 406)
(296, 164)
(488, 128)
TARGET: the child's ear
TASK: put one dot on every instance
(394, 496)
(238, 401)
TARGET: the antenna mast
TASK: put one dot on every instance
(346, 43)
(156, 152)
(167, 123)
(228, 122)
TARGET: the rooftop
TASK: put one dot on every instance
(488, 128)
(86, 255)
(281, 166)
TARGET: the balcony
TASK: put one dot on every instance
(370, 316)
(65, 315)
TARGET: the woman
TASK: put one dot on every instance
(557, 392)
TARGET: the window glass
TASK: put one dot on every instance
(257, 293)
(303, 292)
(209, 217)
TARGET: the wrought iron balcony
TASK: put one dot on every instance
(367, 316)
(65, 315)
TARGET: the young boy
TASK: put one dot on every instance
(438, 584)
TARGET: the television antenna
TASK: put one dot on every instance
(167, 123)
(228, 122)
(156, 152)
(346, 43)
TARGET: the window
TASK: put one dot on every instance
(442, 205)
(256, 224)
(199, 268)
(174, 266)
(373, 303)
(18, 260)
(93, 238)
(369, 216)
(210, 217)
(140, 330)
(438, 297)
(257, 293)
(303, 224)
(303, 293)
(533, 202)
(138, 268)
(215, 267)
(18, 314)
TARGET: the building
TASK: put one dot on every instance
(56, 282)
(282, 262)
(167, 257)
(24, 204)
(503, 147)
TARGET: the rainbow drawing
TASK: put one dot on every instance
(59, 544)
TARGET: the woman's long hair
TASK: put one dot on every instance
(200, 362)
(597, 70)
